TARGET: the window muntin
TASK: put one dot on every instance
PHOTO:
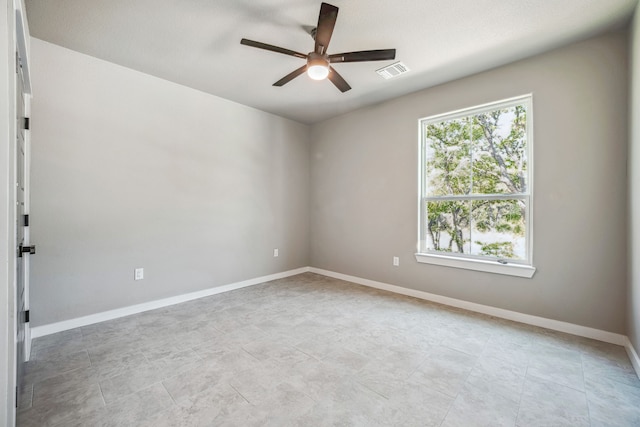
(475, 195)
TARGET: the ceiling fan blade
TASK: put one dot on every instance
(292, 75)
(337, 80)
(363, 55)
(272, 48)
(326, 22)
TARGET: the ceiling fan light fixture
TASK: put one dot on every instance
(318, 72)
(317, 67)
(318, 61)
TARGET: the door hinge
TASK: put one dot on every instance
(26, 250)
(26, 316)
(26, 220)
(26, 123)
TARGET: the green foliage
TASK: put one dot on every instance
(449, 142)
(498, 249)
(448, 218)
(483, 154)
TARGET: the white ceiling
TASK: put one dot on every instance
(197, 42)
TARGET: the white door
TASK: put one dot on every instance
(23, 249)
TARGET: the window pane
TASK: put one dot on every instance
(448, 158)
(472, 159)
(448, 226)
(498, 229)
(500, 151)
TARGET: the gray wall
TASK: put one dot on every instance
(633, 304)
(364, 187)
(134, 171)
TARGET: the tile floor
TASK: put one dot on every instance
(314, 351)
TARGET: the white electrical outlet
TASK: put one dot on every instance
(396, 261)
(275, 252)
(138, 274)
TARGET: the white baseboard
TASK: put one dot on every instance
(52, 328)
(543, 322)
(633, 356)
(556, 325)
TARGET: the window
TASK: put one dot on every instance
(475, 188)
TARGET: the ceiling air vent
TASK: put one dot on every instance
(393, 70)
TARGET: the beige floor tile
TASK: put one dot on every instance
(309, 350)
(479, 406)
(551, 404)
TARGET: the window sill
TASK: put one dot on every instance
(518, 270)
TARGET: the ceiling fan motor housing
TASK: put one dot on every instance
(317, 59)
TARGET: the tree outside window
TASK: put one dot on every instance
(475, 179)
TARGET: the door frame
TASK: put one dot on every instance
(19, 48)
(26, 258)
(8, 44)
(22, 51)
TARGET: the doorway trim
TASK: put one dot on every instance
(19, 45)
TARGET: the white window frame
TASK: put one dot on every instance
(520, 268)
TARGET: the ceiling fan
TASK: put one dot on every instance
(318, 62)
